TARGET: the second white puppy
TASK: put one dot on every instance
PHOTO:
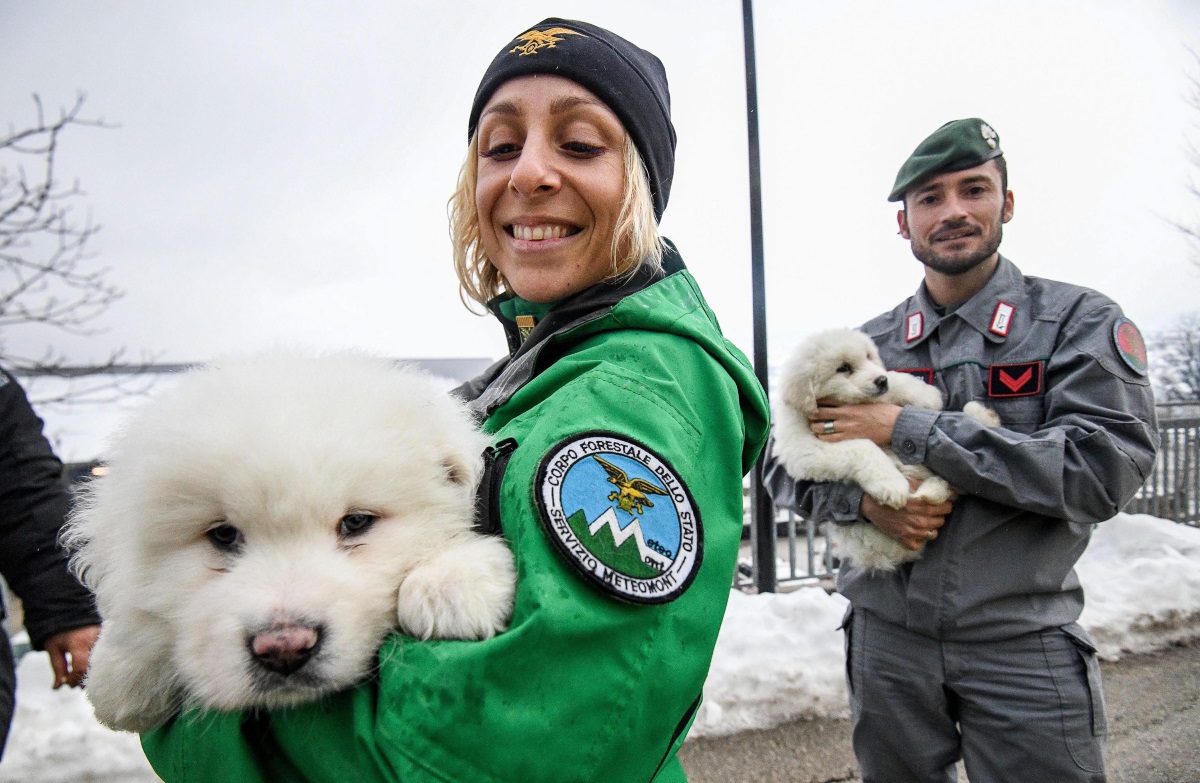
(843, 366)
(265, 523)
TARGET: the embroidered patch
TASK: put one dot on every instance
(1130, 345)
(525, 325)
(534, 40)
(924, 373)
(914, 327)
(1015, 380)
(621, 516)
(1002, 319)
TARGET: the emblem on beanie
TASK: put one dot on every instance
(535, 40)
(988, 134)
(621, 516)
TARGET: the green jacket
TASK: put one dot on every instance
(601, 670)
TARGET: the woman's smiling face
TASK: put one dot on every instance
(550, 186)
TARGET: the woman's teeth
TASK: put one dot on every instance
(535, 233)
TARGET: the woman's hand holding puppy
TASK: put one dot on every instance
(914, 525)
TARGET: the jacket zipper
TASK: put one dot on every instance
(487, 498)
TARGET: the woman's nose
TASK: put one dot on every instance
(534, 171)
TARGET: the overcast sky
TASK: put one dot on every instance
(279, 171)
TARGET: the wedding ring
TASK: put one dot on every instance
(829, 428)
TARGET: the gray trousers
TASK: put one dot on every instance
(1022, 710)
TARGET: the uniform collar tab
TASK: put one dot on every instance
(999, 306)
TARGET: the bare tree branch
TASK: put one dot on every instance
(1190, 227)
(1175, 361)
(47, 272)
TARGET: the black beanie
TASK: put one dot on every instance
(631, 81)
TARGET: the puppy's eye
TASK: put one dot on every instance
(356, 523)
(225, 537)
(845, 368)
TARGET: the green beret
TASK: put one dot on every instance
(957, 145)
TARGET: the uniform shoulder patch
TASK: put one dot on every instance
(621, 516)
(1015, 380)
(1127, 339)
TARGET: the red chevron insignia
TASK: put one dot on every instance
(1015, 380)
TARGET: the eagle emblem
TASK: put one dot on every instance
(630, 495)
(539, 39)
(593, 492)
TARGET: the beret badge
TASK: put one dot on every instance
(988, 134)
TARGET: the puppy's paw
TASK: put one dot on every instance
(128, 691)
(935, 490)
(465, 592)
(891, 491)
(982, 414)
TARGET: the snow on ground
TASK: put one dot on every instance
(779, 656)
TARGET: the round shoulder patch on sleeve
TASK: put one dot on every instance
(621, 516)
(1130, 345)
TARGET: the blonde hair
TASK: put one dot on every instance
(479, 280)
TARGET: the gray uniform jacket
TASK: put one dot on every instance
(1077, 439)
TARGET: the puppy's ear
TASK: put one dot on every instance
(461, 469)
(801, 396)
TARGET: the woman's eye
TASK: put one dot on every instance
(583, 148)
(355, 523)
(501, 151)
(845, 367)
(225, 537)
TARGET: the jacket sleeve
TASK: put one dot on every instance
(820, 501)
(34, 503)
(583, 686)
(1091, 449)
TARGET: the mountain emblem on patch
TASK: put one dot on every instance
(621, 516)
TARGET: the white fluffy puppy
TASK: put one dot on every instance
(266, 522)
(843, 366)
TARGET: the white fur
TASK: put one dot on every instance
(811, 374)
(281, 447)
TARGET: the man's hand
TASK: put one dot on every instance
(69, 653)
(913, 526)
(873, 421)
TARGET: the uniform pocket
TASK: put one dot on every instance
(1071, 657)
(1020, 414)
(1087, 651)
(847, 627)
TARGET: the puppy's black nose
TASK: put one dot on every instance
(881, 384)
(285, 647)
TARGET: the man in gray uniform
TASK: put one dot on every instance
(973, 651)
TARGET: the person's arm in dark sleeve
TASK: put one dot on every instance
(820, 501)
(34, 502)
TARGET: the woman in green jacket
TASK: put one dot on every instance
(623, 423)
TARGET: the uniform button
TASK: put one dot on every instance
(844, 507)
(909, 447)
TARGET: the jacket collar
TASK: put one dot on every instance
(994, 311)
(500, 381)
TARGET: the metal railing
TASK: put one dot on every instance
(1172, 491)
